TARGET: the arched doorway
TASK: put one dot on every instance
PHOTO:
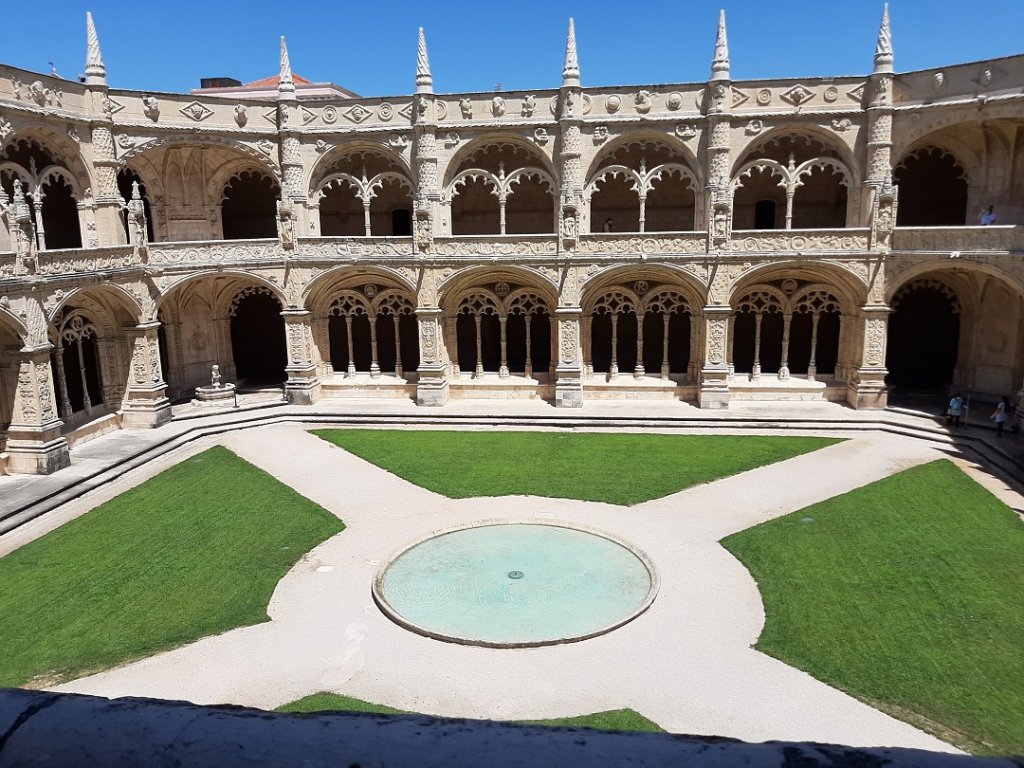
(75, 361)
(933, 190)
(257, 337)
(924, 335)
(757, 337)
(249, 209)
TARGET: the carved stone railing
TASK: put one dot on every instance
(799, 240)
(353, 247)
(496, 245)
(214, 252)
(643, 243)
(72, 261)
(958, 239)
(781, 243)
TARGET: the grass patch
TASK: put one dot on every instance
(335, 702)
(195, 551)
(907, 594)
(613, 720)
(614, 468)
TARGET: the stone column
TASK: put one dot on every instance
(866, 384)
(303, 385)
(145, 403)
(713, 391)
(34, 442)
(432, 388)
(569, 370)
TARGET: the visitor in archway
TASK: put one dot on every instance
(955, 410)
(608, 226)
(988, 216)
(1001, 414)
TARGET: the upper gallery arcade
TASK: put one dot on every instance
(711, 241)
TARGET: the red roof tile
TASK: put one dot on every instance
(273, 80)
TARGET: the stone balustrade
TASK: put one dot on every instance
(760, 243)
(959, 239)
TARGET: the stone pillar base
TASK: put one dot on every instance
(144, 413)
(432, 388)
(568, 389)
(302, 388)
(713, 391)
(867, 391)
(36, 451)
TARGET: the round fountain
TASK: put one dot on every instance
(515, 585)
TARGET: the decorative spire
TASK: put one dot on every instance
(95, 70)
(571, 70)
(883, 49)
(720, 62)
(424, 80)
(285, 84)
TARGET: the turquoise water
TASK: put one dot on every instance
(516, 584)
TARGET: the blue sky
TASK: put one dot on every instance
(370, 47)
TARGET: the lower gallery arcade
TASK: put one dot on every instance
(643, 332)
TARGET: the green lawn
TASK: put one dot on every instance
(194, 551)
(613, 720)
(615, 468)
(907, 593)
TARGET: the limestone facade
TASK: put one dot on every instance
(707, 241)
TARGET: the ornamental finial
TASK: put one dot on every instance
(571, 70)
(95, 70)
(883, 49)
(720, 61)
(424, 80)
(285, 83)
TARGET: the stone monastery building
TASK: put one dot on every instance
(714, 241)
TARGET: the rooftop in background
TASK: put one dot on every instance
(266, 88)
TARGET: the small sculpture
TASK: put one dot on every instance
(151, 107)
(215, 377)
(529, 105)
(467, 108)
(286, 223)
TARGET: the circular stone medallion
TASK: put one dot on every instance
(515, 585)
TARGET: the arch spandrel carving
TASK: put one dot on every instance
(848, 277)
(322, 284)
(456, 281)
(257, 158)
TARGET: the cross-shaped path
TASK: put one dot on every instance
(687, 663)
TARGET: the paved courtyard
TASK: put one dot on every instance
(687, 663)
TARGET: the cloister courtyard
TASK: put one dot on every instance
(848, 581)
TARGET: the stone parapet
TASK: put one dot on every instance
(42, 728)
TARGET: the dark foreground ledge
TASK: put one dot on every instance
(38, 728)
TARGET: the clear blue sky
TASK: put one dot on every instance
(370, 46)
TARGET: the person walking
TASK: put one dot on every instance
(955, 410)
(1001, 414)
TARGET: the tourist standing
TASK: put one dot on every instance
(956, 409)
(1001, 414)
(988, 216)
